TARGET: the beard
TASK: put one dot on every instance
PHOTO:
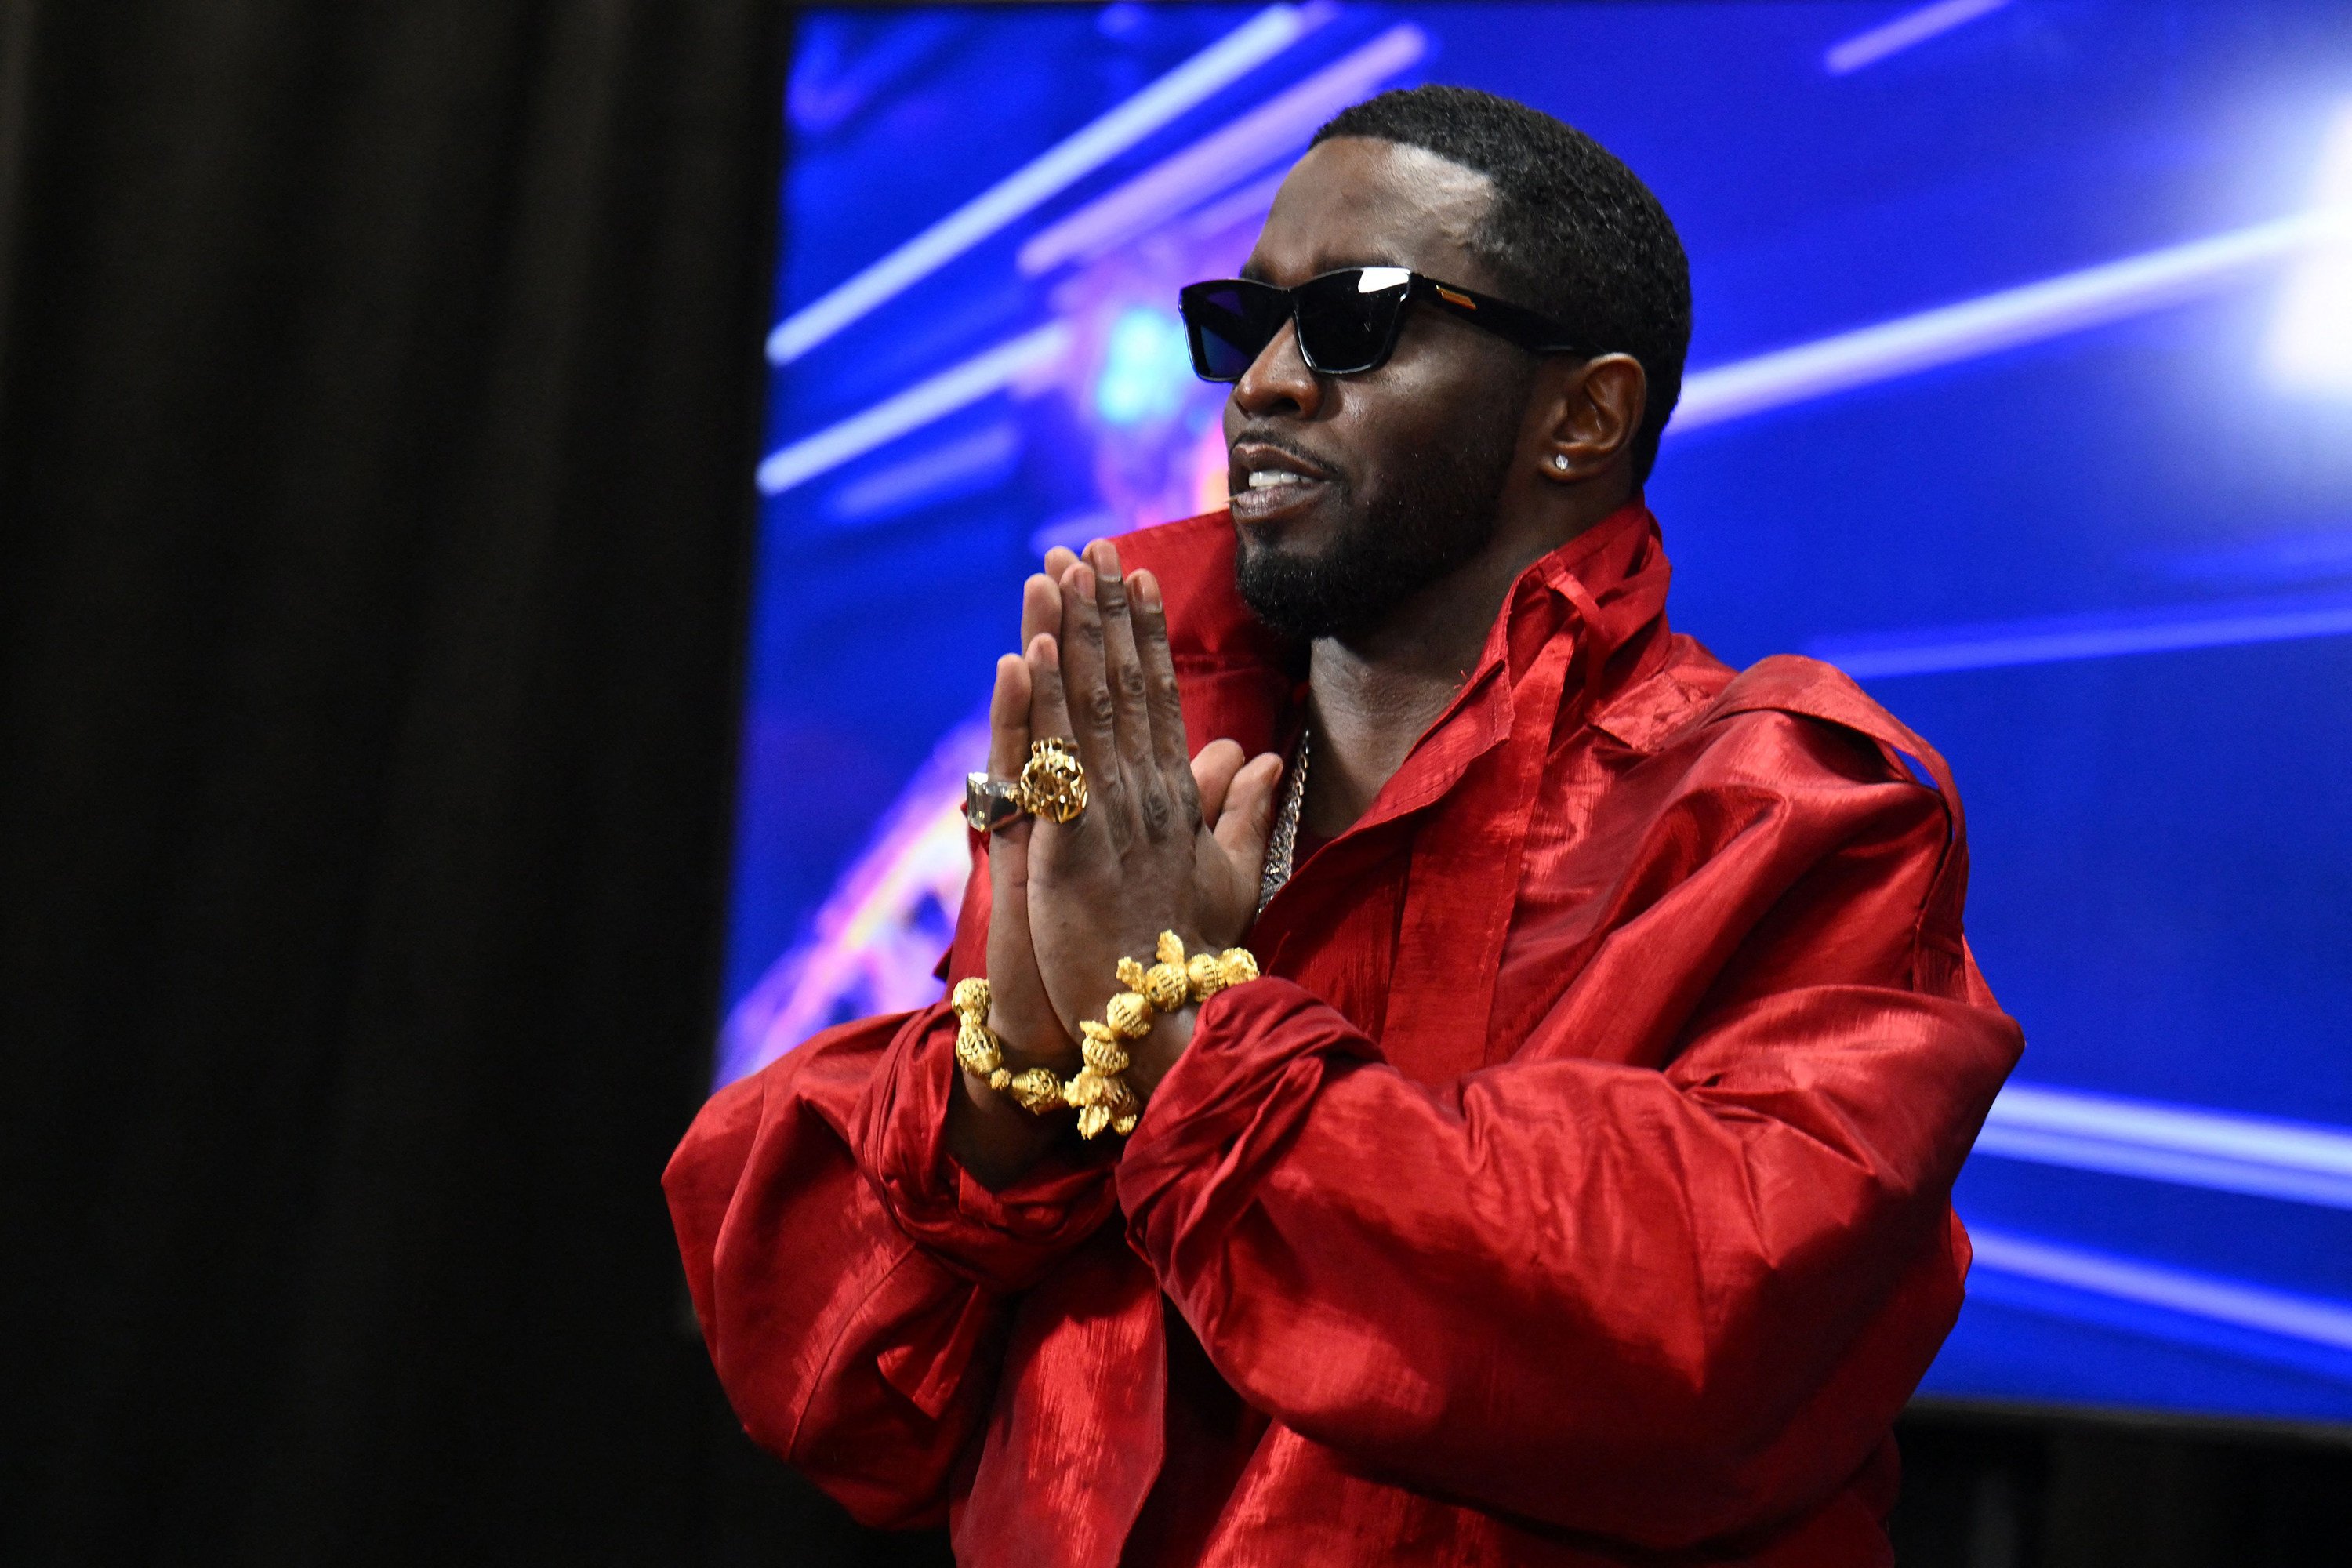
(1443, 508)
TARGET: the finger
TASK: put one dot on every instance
(1247, 819)
(1041, 608)
(1163, 701)
(1123, 672)
(1058, 560)
(1008, 718)
(1085, 694)
(1008, 749)
(1212, 775)
(1049, 711)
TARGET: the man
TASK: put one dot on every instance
(1574, 1187)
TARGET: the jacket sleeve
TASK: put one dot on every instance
(1661, 1306)
(850, 1280)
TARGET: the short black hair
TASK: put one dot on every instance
(1573, 232)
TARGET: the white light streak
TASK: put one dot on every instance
(983, 457)
(2190, 1146)
(1874, 45)
(1226, 61)
(2060, 639)
(2311, 338)
(943, 394)
(2307, 1318)
(1973, 327)
(1209, 165)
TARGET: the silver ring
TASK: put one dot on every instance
(992, 805)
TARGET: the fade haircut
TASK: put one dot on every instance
(1572, 233)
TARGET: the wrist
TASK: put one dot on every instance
(995, 1141)
(1149, 1022)
(1150, 1057)
(994, 1126)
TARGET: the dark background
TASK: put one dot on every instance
(379, 394)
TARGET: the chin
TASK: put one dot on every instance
(1305, 535)
(1286, 545)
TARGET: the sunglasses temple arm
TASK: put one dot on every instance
(1532, 331)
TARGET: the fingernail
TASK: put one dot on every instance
(1086, 585)
(1147, 590)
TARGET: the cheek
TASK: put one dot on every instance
(1424, 415)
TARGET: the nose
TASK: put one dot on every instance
(1278, 382)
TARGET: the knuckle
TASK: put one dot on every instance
(1159, 812)
(1131, 682)
(1101, 708)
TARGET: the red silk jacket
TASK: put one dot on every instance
(1575, 1190)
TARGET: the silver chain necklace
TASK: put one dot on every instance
(1282, 843)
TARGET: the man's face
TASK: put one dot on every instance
(1352, 492)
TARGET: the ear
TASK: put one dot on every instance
(1595, 411)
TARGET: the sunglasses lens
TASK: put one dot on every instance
(1348, 321)
(1228, 325)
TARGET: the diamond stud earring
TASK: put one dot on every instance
(1559, 459)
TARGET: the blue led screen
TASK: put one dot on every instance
(2021, 388)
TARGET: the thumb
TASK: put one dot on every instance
(1213, 776)
(1249, 816)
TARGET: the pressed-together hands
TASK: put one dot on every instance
(1166, 842)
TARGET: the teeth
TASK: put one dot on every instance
(1266, 479)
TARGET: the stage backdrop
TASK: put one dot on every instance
(2022, 391)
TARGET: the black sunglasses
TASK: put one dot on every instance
(1348, 321)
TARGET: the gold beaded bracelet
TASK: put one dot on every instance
(1100, 1094)
(981, 1053)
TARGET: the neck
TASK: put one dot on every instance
(1370, 697)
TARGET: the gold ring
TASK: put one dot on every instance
(1054, 782)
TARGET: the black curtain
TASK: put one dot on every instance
(379, 394)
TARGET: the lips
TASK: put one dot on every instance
(1268, 482)
(1270, 495)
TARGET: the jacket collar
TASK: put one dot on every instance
(1573, 631)
(1606, 588)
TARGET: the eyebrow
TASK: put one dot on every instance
(1256, 274)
